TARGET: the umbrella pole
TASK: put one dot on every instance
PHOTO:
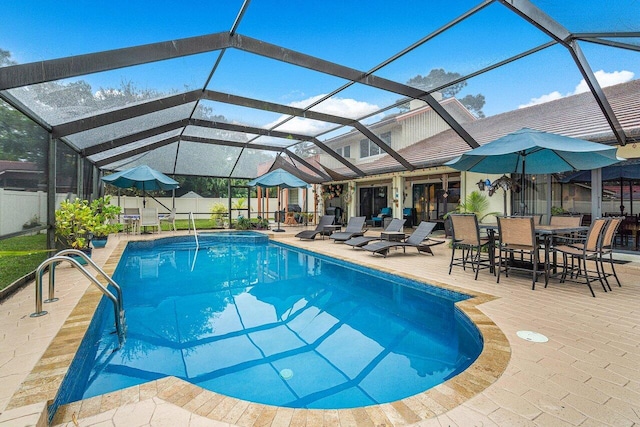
(621, 196)
(522, 195)
(630, 197)
(504, 201)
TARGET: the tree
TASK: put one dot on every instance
(5, 58)
(438, 77)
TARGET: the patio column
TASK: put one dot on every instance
(80, 177)
(596, 193)
(397, 184)
(51, 192)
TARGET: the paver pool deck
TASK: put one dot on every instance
(587, 374)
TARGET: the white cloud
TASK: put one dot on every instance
(605, 79)
(103, 94)
(334, 106)
(544, 98)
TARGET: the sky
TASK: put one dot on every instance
(340, 31)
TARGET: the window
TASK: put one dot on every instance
(344, 151)
(369, 148)
(364, 148)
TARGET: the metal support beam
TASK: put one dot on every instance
(296, 58)
(299, 159)
(598, 93)
(249, 129)
(538, 18)
(276, 108)
(140, 150)
(611, 43)
(73, 66)
(338, 157)
(548, 25)
(119, 142)
(51, 193)
(79, 176)
(124, 113)
(285, 135)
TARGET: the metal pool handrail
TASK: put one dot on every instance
(61, 257)
(192, 221)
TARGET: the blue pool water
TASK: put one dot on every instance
(272, 324)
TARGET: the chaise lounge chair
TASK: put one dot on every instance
(355, 227)
(357, 242)
(311, 234)
(415, 240)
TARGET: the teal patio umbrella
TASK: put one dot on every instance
(278, 178)
(143, 178)
(535, 152)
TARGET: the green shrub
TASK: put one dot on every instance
(242, 223)
(218, 211)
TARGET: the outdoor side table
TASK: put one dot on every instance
(328, 229)
(392, 236)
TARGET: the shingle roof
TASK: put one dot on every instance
(576, 116)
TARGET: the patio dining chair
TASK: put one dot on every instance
(606, 248)
(170, 218)
(465, 235)
(582, 250)
(517, 236)
(149, 218)
(131, 220)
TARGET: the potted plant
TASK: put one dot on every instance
(101, 225)
(73, 221)
(476, 203)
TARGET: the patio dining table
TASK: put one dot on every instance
(546, 233)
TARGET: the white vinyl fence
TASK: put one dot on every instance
(20, 207)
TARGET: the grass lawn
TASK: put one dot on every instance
(18, 257)
(183, 224)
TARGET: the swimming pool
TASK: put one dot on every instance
(298, 329)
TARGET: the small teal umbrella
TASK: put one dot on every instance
(278, 178)
(143, 178)
(535, 152)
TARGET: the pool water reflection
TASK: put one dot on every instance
(275, 325)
